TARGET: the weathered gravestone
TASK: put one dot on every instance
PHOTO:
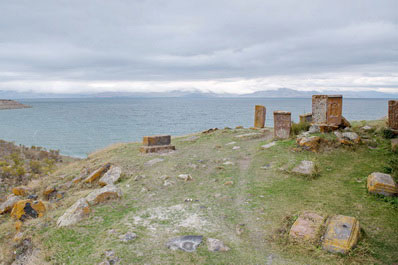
(282, 124)
(393, 114)
(327, 110)
(259, 116)
(381, 183)
(306, 228)
(157, 143)
(306, 118)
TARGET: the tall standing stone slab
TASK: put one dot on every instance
(282, 124)
(259, 116)
(334, 110)
(393, 114)
(319, 109)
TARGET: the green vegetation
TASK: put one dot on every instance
(262, 196)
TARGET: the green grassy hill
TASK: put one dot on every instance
(247, 197)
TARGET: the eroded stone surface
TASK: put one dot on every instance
(74, 214)
(97, 173)
(282, 124)
(9, 203)
(28, 209)
(108, 192)
(259, 116)
(216, 245)
(305, 168)
(380, 183)
(319, 109)
(311, 143)
(306, 227)
(185, 243)
(111, 176)
(342, 234)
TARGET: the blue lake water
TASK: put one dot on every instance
(78, 127)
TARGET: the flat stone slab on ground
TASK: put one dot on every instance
(216, 245)
(185, 243)
(342, 234)
(111, 176)
(305, 168)
(306, 227)
(108, 192)
(153, 161)
(380, 183)
(269, 145)
(74, 214)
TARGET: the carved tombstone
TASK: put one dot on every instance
(334, 110)
(327, 110)
(393, 114)
(282, 124)
(157, 143)
(259, 116)
(319, 109)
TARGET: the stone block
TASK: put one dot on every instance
(109, 192)
(28, 208)
(9, 203)
(319, 109)
(282, 124)
(342, 234)
(306, 118)
(259, 116)
(327, 110)
(393, 114)
(380, 183)
(111, 176)
(311, 143)
(307, 227)
(97, 173)
(157, 149)
(305, 168)
(156, 140)
(75, 213)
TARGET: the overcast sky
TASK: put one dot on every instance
(79, 46)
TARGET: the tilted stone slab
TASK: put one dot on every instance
(259, 116)
(380, 183)
(307, 227)
(157, 149)
(156, 140)
(7, 205)
(97, 173)
(342, 234)
(111, 176)
(74, 214)
(106, 193)
(21, 191)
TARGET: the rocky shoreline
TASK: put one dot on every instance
(11, 104)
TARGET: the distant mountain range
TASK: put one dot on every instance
(279, 93)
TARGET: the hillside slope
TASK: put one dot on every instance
(247, 197)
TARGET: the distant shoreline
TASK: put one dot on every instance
(11, 104)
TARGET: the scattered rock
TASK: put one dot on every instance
(97, 173)
(75, 213)
(185, 177)
(229, 183)
(108, 192)
(306, 227)
(342, 234)
(185, 243)
(367, 128)
(139, 177)
(229, 163)
(28, 208)
(269, 145)
(111, 176)
(77, 179)
(215, 245)
(231, 143)
(167, 183)
(352, 136)
(305, 168)
(345, 123)
(239, 127)
(267, 166)
(154, 161)
(110, 258)
(9, 203)
(311, 143)
(235, 147)
(21, 191)
(249, 136)
(314, 129)
(129, 236)
(380, 183)
(210, 130)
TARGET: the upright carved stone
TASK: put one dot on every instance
(306, 118)
(393, 114)
(327, 110)
(282, 124)
(157, 143)
(259, 116)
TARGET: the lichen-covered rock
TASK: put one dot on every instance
(380, 183)
(305, 168)
(9, 203)
(111, 176)
(306, 227)
(28, 208)
(21, 191)
(97, 173)
(216, 245)
(352, 136)
(185, 243)
(74, 214)
(342, 234)
(311, 143)
(108, 192)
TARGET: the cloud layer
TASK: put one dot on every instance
(218, 46)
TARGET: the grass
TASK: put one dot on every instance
(266, 201)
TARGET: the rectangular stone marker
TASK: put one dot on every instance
(259, 116)
(156, 140)
(306, 118)
(156, 143)
(393, 114)
(327, 110)
(334, 110)
(381, 183)
(282, 124)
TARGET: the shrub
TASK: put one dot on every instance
(388, 133)
(35, 166)
(297, 128)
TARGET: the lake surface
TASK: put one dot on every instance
(78, 127)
